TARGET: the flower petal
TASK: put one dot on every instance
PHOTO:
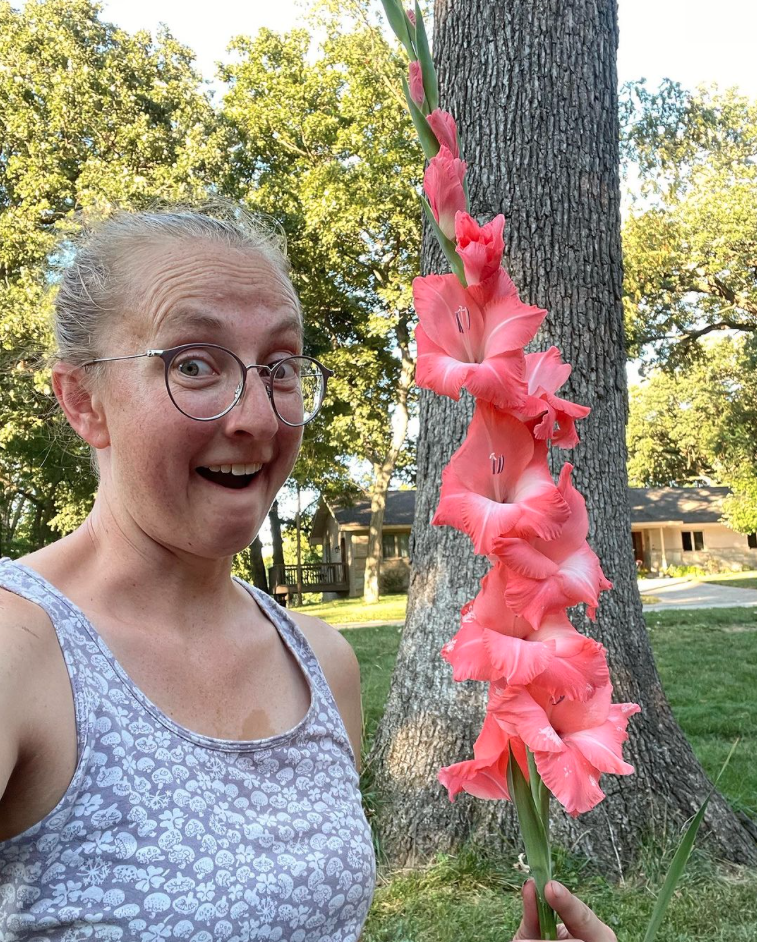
(520, 715)
(571, 778)
(579, 667)
(467, 654)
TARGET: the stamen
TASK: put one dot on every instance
(462, 317)
(498, 463)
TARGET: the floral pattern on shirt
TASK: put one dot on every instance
(165, 834)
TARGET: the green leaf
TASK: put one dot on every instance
(680, 860)
(535, 839)
(448, 246)
(397, 19)
(430, 83)
(428, 140)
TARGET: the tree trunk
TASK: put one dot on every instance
(276, 540)
(533, 86)
(259, 575)
(383, 472)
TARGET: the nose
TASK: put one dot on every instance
(253, 413)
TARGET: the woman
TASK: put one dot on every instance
(178, 758)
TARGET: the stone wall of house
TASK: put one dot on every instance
(724, 549)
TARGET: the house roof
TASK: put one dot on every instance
(648, 505)
(400, 510)
(677, 504)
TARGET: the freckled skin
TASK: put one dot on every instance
(148, 473)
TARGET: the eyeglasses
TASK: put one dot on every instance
(205, 381)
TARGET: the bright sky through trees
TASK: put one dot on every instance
(691, 41)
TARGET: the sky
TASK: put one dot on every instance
(691, 41)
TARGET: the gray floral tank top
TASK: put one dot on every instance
(167, 834)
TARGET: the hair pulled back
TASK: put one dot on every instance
(97, 279)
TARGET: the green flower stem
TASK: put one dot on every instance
(531, 817)
(428, 70)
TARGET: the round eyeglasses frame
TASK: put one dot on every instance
(265, 371)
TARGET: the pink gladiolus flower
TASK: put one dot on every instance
(480, 247)
(498, 484)
(417, 92)
(473, 338)
(495, 644)
(410, 15)
(443, 183)
(549, 576)
(546, 373)
(573, 742)
(485, 776)
(444, 127)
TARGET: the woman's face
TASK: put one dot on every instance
(196, 292)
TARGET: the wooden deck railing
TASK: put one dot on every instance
(316, 577)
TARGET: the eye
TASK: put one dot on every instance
(193, 367)
(286, 370)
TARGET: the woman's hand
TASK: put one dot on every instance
(578, 921)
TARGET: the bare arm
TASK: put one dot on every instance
(17, 641)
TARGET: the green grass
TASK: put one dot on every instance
(344, 611)
(708, 662)
(740, 580)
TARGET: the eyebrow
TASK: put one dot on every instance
(205, 321)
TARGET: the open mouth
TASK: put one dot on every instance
(227, 478)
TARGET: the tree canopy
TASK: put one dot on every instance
(699, 426)
(690, 238)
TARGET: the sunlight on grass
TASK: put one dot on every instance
(739, 580)
(344, 611)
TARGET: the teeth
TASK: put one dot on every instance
(236, 469)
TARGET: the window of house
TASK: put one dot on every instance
(395, 545)
(692, 540)
(752, 540)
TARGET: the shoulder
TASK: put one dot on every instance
(340, 666)
(27, 644)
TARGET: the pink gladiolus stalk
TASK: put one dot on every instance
(443, 184)
(415, 80)
(550, 723)
(444, 127)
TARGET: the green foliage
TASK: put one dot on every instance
(676, 572)
(690, 239)
(699, 425)
(91, 116)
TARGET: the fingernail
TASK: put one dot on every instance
(557, 888)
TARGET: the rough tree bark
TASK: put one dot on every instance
(533, 86)
(383, 470)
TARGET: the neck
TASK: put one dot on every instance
(116, 569)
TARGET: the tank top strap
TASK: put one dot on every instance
(300, 646)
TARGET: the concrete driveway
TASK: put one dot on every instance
(687, 593)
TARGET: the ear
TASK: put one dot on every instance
(82, 404)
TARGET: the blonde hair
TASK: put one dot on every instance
(96, 278)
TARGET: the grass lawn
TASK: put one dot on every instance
(344, 611)
(708, 663)
(741, 580)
